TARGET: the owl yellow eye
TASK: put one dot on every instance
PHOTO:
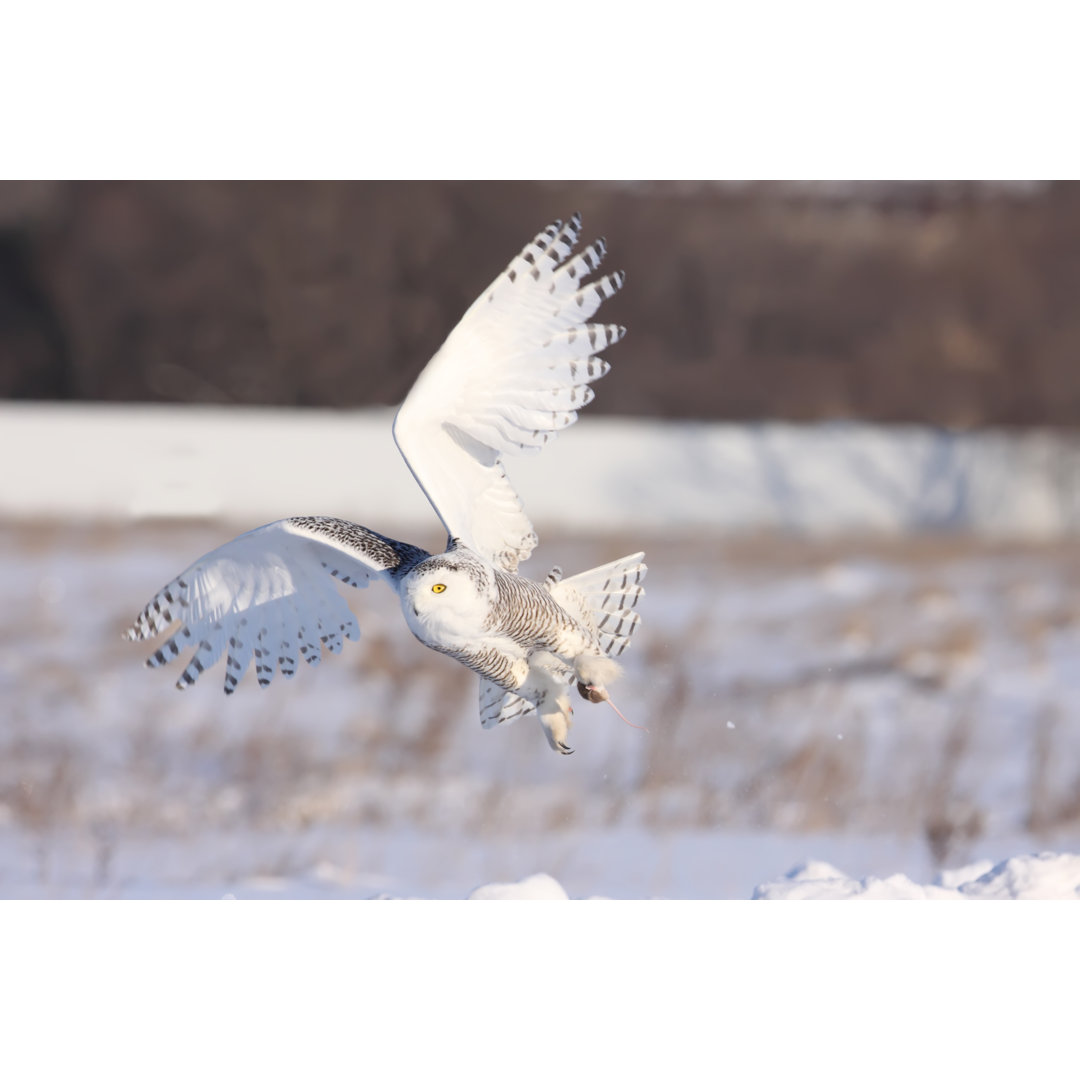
(438, 588)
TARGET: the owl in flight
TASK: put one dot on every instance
(512, 373)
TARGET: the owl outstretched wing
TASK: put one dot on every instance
(269, 595)
(512, 374)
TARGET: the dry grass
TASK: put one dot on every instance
(918, 688)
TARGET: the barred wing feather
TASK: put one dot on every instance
(499, 706)
(269, 596)
(511, 375)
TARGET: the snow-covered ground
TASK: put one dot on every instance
(1043, 876)
(601, 476)
(892, 714)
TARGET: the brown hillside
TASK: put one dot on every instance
(947, 304)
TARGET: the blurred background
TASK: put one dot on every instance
(842, 426)
(945, 303)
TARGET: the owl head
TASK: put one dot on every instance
(452, 591)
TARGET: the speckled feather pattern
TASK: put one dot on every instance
(510, 376)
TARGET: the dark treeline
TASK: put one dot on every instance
(956, 305)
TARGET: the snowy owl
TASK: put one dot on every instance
(512, 374)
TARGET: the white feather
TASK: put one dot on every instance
(257, 595)
(512, 374)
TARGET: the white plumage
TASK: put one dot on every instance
(513, 372)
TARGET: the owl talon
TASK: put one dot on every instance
(563, 748)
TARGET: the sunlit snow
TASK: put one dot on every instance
(859, 658)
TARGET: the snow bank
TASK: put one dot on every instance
(1045, 876)
(250, 464)
(536, 887)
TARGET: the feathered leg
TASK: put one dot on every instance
(552, 702)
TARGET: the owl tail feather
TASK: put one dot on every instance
(604, 598)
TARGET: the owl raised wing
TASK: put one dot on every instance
(511, 375)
